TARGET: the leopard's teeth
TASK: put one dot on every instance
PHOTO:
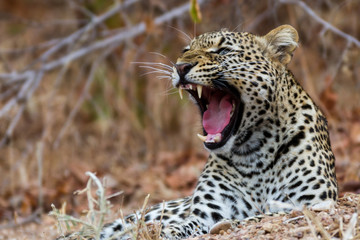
(232, 110)
(217, 138)
(181, 93)
(202, 138)
(199, 90)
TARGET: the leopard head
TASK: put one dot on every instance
(232, 77)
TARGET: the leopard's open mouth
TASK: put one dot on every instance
(221, 110)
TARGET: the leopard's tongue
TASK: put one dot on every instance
(217, 116)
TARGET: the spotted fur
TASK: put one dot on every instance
(279, 150)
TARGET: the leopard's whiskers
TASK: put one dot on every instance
(170, 91)
(182, 32)
(163, 56)
(155, 64)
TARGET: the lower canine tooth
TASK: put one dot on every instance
(202, 138)
(217, 138)
(180, 93)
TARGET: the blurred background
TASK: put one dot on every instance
(75, 97)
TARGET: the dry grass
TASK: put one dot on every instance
(99, 209)
(337, 222)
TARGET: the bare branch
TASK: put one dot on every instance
(117, 39)
(340, 61)
(8, 106)
(29, 49)
(325, 24)
(9, 92)
(28, 81)
(94, 22)
(12, 126)
(25, 93)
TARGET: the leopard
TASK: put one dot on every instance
(268, 142)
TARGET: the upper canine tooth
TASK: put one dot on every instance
(181, 92)
(199, 90)
(202, 138)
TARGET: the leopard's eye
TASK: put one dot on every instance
(223, 50)
(185, 50)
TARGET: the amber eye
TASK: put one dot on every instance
(223, 51)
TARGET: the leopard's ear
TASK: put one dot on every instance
(280, 43)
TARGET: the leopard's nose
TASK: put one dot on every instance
(183, 69)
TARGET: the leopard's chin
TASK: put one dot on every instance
(221, 110)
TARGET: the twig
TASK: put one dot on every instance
(7, 107)
(83, 10)
(25, 93)
(310, 218)
(11, 127)
(340, 61)
(118, 38)
(39, 156)
(94, 22)
(29, 49)
(325, 24)
(14, 77)
(102, 204)
(9, 92)
(351, 230)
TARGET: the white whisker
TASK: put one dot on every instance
(164, 77)
(156, 69)
(182, 32)
(155, 64)
(162, 55)
(170, 91)
(153, 72)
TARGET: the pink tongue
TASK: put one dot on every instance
(217, 116)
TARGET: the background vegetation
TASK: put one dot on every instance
(73, 97)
